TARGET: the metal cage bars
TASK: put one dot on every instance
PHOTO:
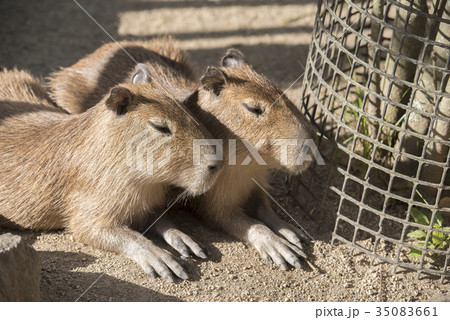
(340, 37)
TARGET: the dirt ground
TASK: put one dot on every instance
(275, 35)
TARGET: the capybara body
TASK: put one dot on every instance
(17, 86)
(21, 86)
(73, 171)
(252, 116)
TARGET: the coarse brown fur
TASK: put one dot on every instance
(59, 170)
(19, 85)
(87, 78)
(237, 105)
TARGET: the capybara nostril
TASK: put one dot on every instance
(213, 168)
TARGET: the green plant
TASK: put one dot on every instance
(438, 240)
(301, 65)
(364, 122)
(391, 135)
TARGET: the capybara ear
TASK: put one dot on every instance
(141, 74)
(119, 100)
(233, 58)
(213, 80)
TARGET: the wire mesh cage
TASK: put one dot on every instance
(377, 87)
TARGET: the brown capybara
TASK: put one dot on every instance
(244, 109)
(75, 171)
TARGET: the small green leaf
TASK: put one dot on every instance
(420, 217)
(438, 236)
(418, 234)
(438, 219)
(415, 253)
(437, 241)
(446, 228)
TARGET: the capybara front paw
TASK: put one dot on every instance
(183, 243)
(159, 262)
(291, 234)
(275, 248)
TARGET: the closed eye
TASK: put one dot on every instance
(257, 111)
(162, 129)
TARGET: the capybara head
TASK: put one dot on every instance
(251, 107)
(157, 134)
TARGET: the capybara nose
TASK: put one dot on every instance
(214, 168)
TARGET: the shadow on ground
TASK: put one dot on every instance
(70, 285)
(42, 36)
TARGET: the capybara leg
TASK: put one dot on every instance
(268, 244)
(178, 239)
(259, 208)
(154, 260)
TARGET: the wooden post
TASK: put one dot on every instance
(403, 69)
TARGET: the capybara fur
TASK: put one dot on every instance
(81, 86)
(20, 85)
(241, 107)
(73, 171)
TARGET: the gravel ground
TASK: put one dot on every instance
(43, 35)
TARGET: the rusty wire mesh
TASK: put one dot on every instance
(377, 87)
